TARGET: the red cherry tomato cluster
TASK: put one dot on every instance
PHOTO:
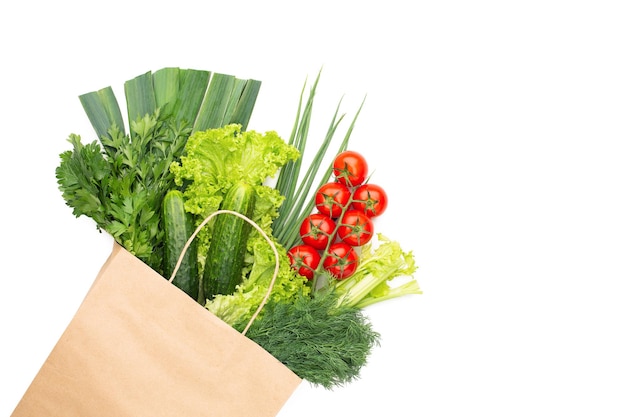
(343, 221)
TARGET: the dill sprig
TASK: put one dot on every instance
(321, 341)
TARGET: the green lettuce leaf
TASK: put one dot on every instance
(215, 159)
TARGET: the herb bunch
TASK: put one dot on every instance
(317, 338)
(120, 182)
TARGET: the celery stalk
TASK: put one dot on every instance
(388, 293)
(377, 268)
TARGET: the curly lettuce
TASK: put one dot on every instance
(216, 159)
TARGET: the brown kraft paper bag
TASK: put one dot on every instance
(139, 346)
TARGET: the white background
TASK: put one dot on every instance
(496, 127)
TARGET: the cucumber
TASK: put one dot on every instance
(178, 227)
(225, 256)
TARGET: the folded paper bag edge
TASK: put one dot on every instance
(264, 385)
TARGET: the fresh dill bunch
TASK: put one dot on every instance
(321, 341)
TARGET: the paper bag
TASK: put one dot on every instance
(138, 346)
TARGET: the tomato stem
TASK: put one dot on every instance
(320, 270)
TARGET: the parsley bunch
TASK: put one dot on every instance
(121, 182)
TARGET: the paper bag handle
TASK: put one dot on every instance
(258, 228)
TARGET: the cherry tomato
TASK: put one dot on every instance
(316, 230)
(350, 168)
(342, 260)
(355, 228)
(331, 198)
(371, 199)
(304, 259)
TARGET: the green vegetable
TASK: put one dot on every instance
(178, 227)
(378, 267)
(298, 190)
(237, 308)
(214, 161)
(121, 184)
(186, 154)
(217, 159)
(225, 259)
(323, 342)
(120, 179)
